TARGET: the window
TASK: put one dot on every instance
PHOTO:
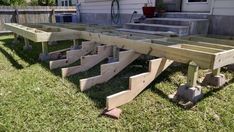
(62, 3)
(197, 0)
(70, 3)
(66, 4)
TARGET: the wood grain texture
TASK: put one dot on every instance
(138, 83)
(74, 55)
(108, 71)
(89, 61)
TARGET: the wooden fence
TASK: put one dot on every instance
(31, 14)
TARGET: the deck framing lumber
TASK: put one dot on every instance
(211, 40)
(205, 60)
(74, 55)
(138, 83)
(109, 70)
(38, 35)
(192, 74)
(89, 61)
(201, 48)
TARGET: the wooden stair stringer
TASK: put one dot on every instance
(138, 83)
(109, 70)
(74, 55)
(88, 61)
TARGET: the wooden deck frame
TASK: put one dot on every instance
(138, 83)
(74, 55)
(38, 34)
(89, 61)
(207, 55)
(109, 70)
(205, 60)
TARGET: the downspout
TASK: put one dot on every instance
(78, 4)
(212, 7)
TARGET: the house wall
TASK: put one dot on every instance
(223, 7)
(222, 18)
(99, 11)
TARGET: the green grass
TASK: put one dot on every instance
(33, 98)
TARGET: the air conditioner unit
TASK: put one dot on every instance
(66, 18)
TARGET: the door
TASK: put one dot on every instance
(171, 5)
(196, 5)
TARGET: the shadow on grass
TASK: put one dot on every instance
(11, 59)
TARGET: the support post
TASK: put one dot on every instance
(192, 74)
(27, 46)
(189, 93)
(15, 41)
(53, 20)
(115, 55)
(216, 72)
(44, 55)
(76, 44)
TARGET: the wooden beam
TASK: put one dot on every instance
(37, 35)
(89, 61)
(223, 59)
(203, 59)
(211, 40)
(138, 83)
(74, 55)
(204, 44)
(201, 48)
(108, 71)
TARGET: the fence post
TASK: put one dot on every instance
(53, 20)
(16, 16)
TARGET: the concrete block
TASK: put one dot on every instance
(217, 81)
(27, 47)
(44, 57)
(187, 94)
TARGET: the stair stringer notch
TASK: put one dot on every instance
(88, 61)
(138, 83)
(109, 70)
(74, 55)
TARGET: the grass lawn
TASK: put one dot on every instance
(33, 98)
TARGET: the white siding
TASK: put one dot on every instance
(223, 7)
(104, 6)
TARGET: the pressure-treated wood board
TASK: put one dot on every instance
(138, 83)
(89, 61)
(42, 33)
(74, 55)
(203, 57)
(108, 71)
